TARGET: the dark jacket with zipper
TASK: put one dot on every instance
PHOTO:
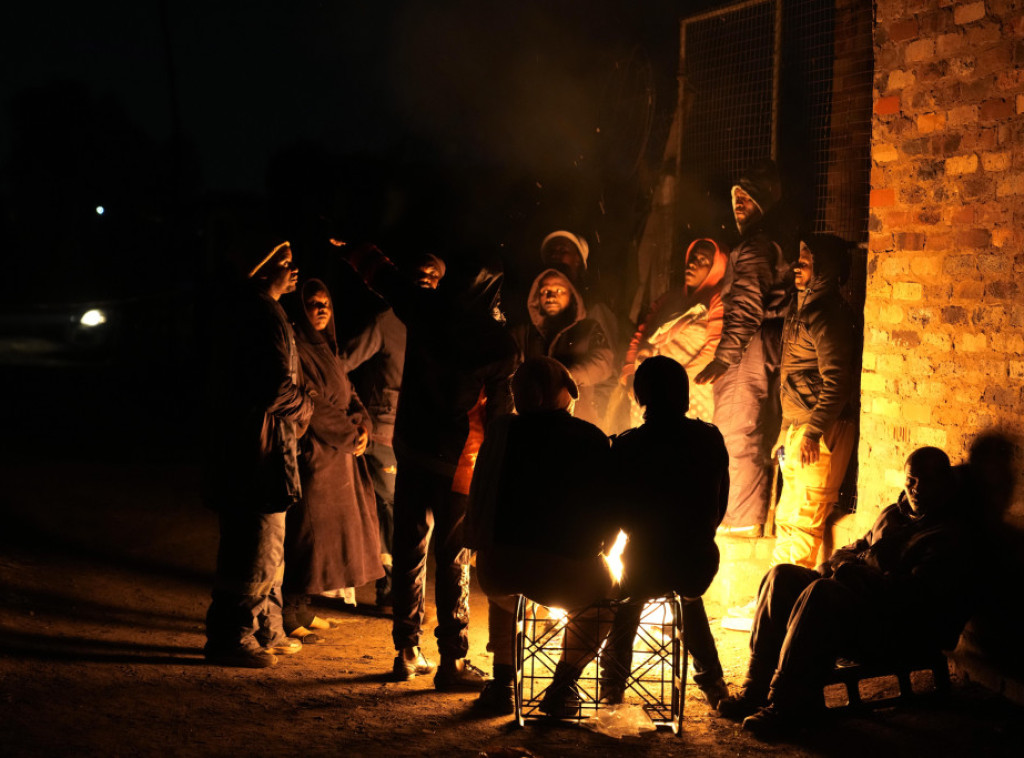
(577, 342)
(818, 342)
(257, 408)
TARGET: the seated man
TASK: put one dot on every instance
(906, 586)
(535, 519)
(671, 484)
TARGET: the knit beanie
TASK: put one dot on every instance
(577, 240)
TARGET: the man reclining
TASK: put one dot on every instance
(905, 587)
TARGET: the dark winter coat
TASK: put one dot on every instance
(818, 343)
(257, 410)
(455, 351)
(670, 488)
(541, 483)
(753, 292)
(375, 360)
(920, 572)
(577, 342)
(332, 536)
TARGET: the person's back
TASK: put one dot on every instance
(550, 486)
(675, 474)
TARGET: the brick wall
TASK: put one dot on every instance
(944, 314)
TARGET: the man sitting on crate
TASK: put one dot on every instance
(671, 488)
(905, 588)
(536, 520)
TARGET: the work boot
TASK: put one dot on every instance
(410, 663)
(459, 675)
(562, 698)
(771, 723)
(497, 697)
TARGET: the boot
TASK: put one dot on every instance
(562, 699)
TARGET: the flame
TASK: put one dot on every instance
(613, 558)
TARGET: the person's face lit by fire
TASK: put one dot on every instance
(562, 254)
(280, 273)
(553, 294)
(698, 266)
(427, 276)
(925, 489)
(744, 209)
(803, 269)
(319, 310)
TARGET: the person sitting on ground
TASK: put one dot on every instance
(331, 541)
(670, 489)
(684, 324)
(536, 521)
(560, 329)
(906, 587)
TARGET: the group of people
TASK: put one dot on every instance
(491, 441)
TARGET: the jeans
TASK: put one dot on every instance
(245, 611)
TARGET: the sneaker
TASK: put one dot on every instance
(248, 658)
(284, 646)
(740, 618)
(410, 663)
(459, 675)
(738, 707)
(498, 698)
(769, 723)
(325, 623)
(715, 692)
(305, 636)
(612, 693)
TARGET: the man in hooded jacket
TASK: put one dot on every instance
(560, 329)
(458, 362)
(684, 324)
(745, 369)
(818, 422)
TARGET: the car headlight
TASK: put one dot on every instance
(93, 317)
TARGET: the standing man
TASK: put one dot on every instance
(458, 362)
(818, 421)
(745, 369)
(252, 471)
(376, 359)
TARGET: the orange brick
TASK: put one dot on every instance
(903, 30)
(996, 110)
(887, 105)
(882, 197)
(964, 215)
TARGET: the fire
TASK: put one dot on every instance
(614, 556)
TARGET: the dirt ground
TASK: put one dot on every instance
(104, 577)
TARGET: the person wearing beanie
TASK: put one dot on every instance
(745, 369)
(670, 485)
(258, 411)
(537, 521)
(569, 253)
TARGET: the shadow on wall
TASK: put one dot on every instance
(992, 472)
